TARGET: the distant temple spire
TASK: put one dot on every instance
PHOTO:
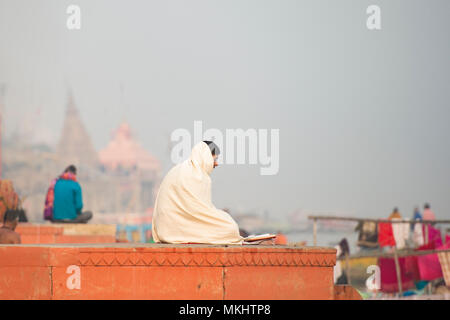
(75, 144)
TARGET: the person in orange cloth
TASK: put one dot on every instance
(281, 239)
(8, 235)
(395, 214)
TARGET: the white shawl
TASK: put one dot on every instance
(184, 212)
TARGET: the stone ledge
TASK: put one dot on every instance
(163, 271)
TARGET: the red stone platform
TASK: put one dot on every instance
(31, 233)
(156, 271)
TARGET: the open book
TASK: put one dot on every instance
(259, 237)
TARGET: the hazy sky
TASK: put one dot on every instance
(363, 115)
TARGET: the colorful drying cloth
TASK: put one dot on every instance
(434, 235)
(412, 267)
(401, 233)
(50, 198)
(418, 238)
(385, 234)
(444, 260)
(429, 266)
(389, 281)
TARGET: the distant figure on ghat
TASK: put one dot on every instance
(184, 212)
(64, 200)
(7, 230)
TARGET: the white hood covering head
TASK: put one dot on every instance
(184, 212)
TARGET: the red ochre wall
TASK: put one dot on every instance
(152, 271)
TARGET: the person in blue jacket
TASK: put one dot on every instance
(416, 216)
(68, 199)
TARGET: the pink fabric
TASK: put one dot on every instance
(412, 267)
(429, 265)
(434, 236)
(447, 239)
(389, 276)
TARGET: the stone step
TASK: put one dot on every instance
(32, 233)
(156, 271)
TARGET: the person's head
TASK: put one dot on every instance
(11, 218)
(427, 206)
(395, 210)
(243, 233)
(215, 151)
(72, 169)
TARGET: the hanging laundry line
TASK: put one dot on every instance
(395, 253)
(316, 218)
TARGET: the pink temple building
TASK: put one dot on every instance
(124, 152)
(136, 171)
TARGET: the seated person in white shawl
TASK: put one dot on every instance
(184, 212)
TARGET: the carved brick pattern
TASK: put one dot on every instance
(206, 259)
